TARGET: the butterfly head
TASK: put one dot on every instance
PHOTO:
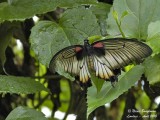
(86, 42)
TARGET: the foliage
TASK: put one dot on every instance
(20, 85)
(108, 93)
(61, 24)
(23, 113)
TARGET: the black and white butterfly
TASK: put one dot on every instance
(104, 57)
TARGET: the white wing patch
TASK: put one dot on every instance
(84, 72)
(100, 66)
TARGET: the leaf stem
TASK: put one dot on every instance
(115, 16)
(119, 27)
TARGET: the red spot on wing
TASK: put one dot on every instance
(98, 45)
(78, 49)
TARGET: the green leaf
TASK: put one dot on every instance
(101, 11)
(98, 83)
(78, 24)
(47, 38)
(152, 69)
(24, 113)
(22, 9)
(140, 14)
(125, 13)
(25, 85)
(75, 3)
(109, 93)
(154, 36)
(140, 104)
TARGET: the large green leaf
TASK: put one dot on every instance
(22, 9)
(109, 93)
(98, 82)
(78, 24)
(24, 113)
(152, 69)
(154, 36)
(47, 38)
(26, 85)
(101, 11)
(135, 23)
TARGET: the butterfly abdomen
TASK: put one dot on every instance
(90, 63)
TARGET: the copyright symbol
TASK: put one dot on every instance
(129, 110)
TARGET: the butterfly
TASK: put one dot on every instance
(104, 57)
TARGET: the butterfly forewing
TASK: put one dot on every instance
(68, 60)
(102, 70)
(120, 52)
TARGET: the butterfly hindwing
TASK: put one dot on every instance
(84, 72)
(102, 70)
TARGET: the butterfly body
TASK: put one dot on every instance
(104, 57)
(85, 50)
